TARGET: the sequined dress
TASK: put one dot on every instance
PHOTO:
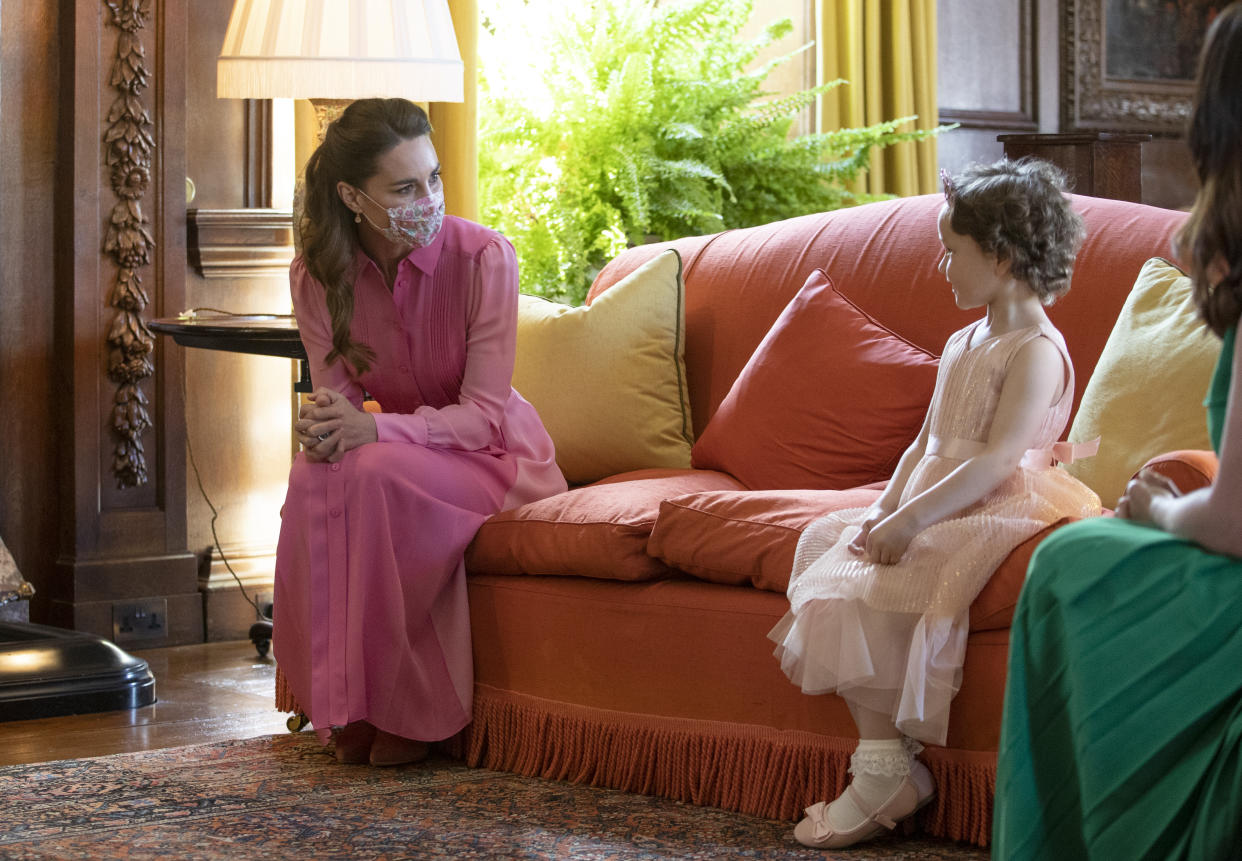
(892, 638)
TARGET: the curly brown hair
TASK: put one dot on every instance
(351, 149)
(1212, 236)
(1018, 212)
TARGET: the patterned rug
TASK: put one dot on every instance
(285, 797)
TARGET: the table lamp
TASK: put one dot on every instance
(340, 50)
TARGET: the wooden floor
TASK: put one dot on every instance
(207, 692)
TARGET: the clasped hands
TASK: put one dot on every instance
(329, 425)
(1144, 489)
(884, 536)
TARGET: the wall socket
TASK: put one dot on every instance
(144, 619)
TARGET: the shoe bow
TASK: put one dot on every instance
(818, 814)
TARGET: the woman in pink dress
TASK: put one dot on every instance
(419, 310)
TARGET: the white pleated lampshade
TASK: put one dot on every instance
(340, 49)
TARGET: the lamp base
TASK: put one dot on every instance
(326, 112)
(45, 672)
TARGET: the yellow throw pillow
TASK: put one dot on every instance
(1146, 394)
(609, 378)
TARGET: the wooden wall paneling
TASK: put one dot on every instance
(259, 133)
(230, 243)
(120, 202)
(987, 75)
(28, 467)
(238, 407)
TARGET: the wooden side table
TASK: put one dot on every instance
(1098, 164)
(257, 334)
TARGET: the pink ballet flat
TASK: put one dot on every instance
(914, 792)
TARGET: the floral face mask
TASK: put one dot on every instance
(415, 223)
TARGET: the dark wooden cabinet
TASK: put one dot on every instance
(1098, 164)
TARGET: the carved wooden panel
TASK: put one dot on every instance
(120, 258)
(1092, 98)
(129, 149)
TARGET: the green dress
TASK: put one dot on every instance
(1122, 735)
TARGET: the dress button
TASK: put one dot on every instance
(336, 512)
(336, 467)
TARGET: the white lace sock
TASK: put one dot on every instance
(878, 766)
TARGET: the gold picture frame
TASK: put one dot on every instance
(1128, 65)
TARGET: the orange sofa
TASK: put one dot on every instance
(653, 674)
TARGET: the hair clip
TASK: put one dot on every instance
(950, 191)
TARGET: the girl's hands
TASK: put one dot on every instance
(887, 540)
(875, 514)
(883, 536)
(330, 425)
(1144, 489)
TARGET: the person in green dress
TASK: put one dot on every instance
(1122, 733)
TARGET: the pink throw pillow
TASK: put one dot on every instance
(829, 400)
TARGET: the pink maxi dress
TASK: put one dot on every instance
(372, 621)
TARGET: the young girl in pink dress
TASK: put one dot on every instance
(880, 597)
(418, 309)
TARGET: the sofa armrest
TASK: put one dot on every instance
(1189, 469)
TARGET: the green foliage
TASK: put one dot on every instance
(606, 123)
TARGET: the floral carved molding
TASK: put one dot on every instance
(128, 150)
(1090, 100)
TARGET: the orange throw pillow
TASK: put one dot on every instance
(744, 538)
(830, 399)
(600, 530)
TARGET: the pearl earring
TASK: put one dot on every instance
(357, 218)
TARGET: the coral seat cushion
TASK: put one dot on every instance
(829, 400)
(599, 531)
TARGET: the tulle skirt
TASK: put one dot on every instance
(892, 638)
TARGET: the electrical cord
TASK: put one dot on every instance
(190, 314)
(216, 538)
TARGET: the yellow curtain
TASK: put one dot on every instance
(455, 124)
(886, 50)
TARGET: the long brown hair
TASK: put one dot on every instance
(1213, 233)
(351, 147)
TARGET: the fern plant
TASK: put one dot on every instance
(606, 123)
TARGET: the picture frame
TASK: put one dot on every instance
(1129, 65)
